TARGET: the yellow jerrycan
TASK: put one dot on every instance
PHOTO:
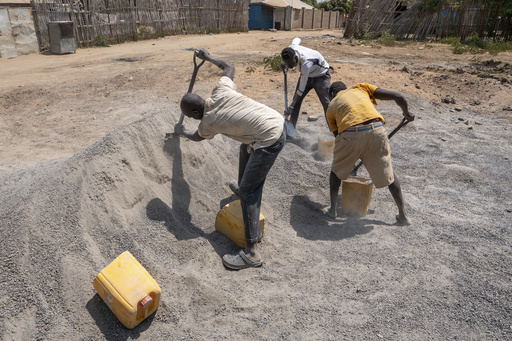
(230, 223)
(128, 290)
(356, 194)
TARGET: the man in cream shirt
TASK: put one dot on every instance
(259, 129)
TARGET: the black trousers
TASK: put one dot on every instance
(321, 86)
(253, 168)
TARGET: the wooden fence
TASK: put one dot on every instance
(137, 19)
(415, 20)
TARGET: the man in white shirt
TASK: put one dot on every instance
(259, 129)
(314, 74)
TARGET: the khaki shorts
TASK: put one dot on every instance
(372, 147)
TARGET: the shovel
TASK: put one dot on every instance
(289, 129)
(190, 87)
(398, 127)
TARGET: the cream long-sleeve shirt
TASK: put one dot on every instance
(239, 117)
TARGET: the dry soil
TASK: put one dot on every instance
(86, 173)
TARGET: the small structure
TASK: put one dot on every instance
(17, 31)
(268, 14)
(290, 15)
(62, 37)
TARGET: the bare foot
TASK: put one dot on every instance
(331, 212)
(402, 220)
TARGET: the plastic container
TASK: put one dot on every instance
(230, 223)
(356, 193)
(325, 144)
(128, 290)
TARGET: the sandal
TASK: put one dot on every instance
(239, 261)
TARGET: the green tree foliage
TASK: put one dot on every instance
(433, 5)
(336, 5)
(310, 2)
(505, 6)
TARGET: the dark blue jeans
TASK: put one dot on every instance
(321, 86)
(253, 168)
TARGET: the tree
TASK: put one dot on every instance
(336, 5)
(310, 2)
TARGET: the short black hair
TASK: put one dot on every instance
(335, 88)
(191, 102)
(287, 53)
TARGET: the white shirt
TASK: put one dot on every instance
(239, 117)
(311, 64)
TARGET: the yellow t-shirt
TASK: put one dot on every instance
(353, 106)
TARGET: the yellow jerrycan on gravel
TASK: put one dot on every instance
(230, 223)
(128, 290)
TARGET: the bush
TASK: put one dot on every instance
(450, 40)
(103, 40)
(273, 63)
(368, 35)
(475, 45)
(495, 47)
(386, 39)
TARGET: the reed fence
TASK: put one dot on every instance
(413, 19)
(123, 20)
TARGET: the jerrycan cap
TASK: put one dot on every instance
(146, 301)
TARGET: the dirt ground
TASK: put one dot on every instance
(85, 174)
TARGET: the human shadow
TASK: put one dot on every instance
(310, 221)
(177, 218)
(227, 200)
(110, 326)
(179, 186)
(158, 210)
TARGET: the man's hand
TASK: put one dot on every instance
(229, 69)
(289, 111)
(179, 129)
(408, 116)
(283, 66)
(203, 54)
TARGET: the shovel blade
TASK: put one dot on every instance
(290, 129)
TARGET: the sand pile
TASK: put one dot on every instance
(446, 275)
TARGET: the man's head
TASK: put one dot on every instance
(335, 88)
(289, 57)
(192, 106)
